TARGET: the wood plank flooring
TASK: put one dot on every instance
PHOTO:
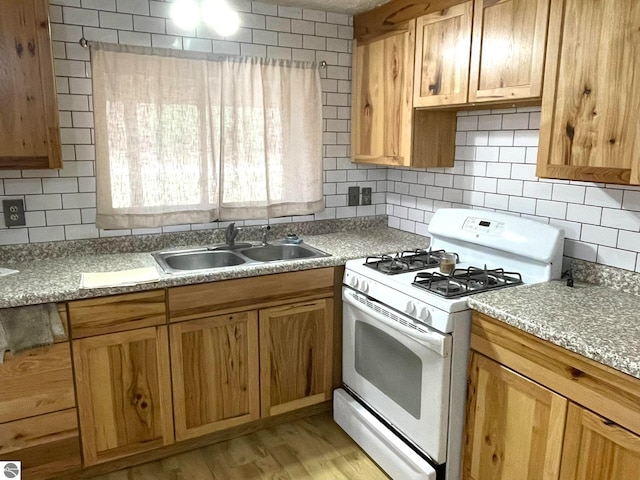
(311, 448)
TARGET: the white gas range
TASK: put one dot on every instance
(406, 335)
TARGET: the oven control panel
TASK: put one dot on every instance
(492, 228)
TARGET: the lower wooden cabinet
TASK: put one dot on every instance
(38, 418)
(233, 352)
(214, 366)
(514, 426)
(597, 449)
(124, 393)
(537, 411)
(295, 355)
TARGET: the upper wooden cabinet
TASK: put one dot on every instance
(29, 128)
(385, 129)
(508, 50)
(443, 43)
(382, 97)
(591, 104)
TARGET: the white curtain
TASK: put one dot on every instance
(188, 138)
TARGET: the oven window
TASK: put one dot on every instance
(389, 365)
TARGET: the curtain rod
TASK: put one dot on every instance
(84, 43)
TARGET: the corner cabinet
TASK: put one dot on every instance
(29, 128)
(537, 411)
(591, 103)
(385, 129)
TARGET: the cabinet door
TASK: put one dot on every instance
(295, 355)
(124, 393)
(214, 365)
(514, 426)
(29, 130)
(597, 449)
(382, 111)
(508, 49)
(589, 125)
(443, 49)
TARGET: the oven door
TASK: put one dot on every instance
(400, 368)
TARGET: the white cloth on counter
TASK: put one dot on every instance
(120, 278)
(31, 326)
(7, 271)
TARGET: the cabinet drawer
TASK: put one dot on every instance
(36, 382)
(47, 445)
(98, 316)
(194, 301)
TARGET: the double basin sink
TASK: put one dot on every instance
(207, 258)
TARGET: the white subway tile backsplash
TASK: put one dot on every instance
(568, 193)
(486, 154)
(528, 138)
(629, 241)
(546, 208)
(616, 257)
(622, 219)
(584, 213)
(515, 121)
(501, 138)
(490, 122)
(513, 154)
(599, 235)
(631, 200)
(580, 250)
(140, 7)
(538, 190)
(522, 205)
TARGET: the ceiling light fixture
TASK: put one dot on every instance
(218, 14)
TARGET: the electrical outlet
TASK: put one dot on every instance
(354, 196)
(366, 195)
(14, 212)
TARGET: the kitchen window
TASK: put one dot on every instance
(184, 138)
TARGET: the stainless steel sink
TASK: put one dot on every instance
(275, 252)
(190, 260)
(180, 261)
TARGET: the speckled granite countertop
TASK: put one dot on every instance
(595, 321)
(58, 279)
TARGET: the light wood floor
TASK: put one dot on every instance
(311, 448)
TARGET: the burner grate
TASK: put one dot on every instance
(466, 281)
(406, 261)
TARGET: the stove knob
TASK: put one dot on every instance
(424, 314)
(364, 286)
(411, 308)
(354, 282)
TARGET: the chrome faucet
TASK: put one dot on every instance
(265, 229)
(231, 234)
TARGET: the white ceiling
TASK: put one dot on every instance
(340, 6)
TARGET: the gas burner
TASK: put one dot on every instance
(466, 281)
(406, 261)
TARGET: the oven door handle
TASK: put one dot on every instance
(433, 341)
